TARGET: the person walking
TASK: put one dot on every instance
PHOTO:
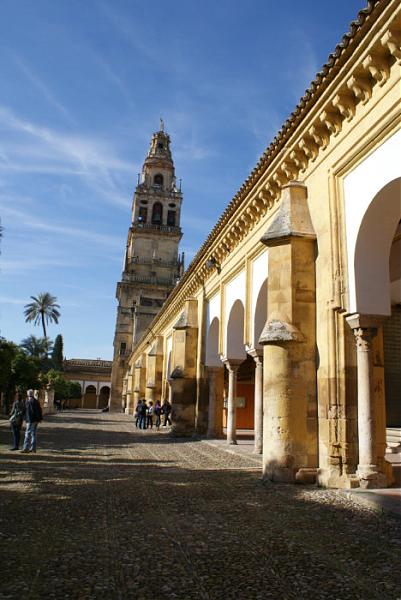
(33, 416)
(149, 420)
(143, 415)
(16, 419)
(158, 413)
(138, 413)
(166, 410)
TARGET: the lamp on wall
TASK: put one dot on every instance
(212, 262)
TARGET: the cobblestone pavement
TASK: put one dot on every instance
(104, 512)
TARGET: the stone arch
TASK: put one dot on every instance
(89, 399)
(157, 213)
(235, 349)
(158, 179)
(372, 251)
(260, 314)
(104, 395)
(212, 344)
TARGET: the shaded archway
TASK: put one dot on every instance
(212, 345)
(235, 349)
(157, 213)
(376, 276)
(89, 399)
(372, 251)
(104, 395)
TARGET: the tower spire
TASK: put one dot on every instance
(161, 124)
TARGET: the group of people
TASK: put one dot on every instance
(30, 411)
(144, 414)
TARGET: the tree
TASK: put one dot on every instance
(35, 346)
(57, 354)
(43, 309)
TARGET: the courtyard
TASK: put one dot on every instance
(104, 511)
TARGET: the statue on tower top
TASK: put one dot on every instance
(161, 124)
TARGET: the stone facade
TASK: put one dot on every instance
(152, 265)
(290, 293)
(94, 377)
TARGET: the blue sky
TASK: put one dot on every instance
(83, 85)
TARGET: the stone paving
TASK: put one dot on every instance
(106, 512)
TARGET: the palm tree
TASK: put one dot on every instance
(43, 310)
(35, 346)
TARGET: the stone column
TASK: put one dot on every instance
(183, 382)
(215, 409)
(97, 400)
(232, 367)
(257, 355)
(289, 340)
(368, 471)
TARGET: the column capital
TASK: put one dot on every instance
(358, 321)
(256, 354)
(232, 364)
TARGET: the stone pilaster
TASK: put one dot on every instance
(216, 402)
(154, 371)
(182, 381)
(289, 339)
(368, 471)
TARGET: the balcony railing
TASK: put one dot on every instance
(167, 281)
(156, 262)
(151, 226)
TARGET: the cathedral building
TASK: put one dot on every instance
(152, 265)
(288, 319)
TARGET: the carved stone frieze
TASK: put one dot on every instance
(345, 105)
(377, 67)
(360, 86)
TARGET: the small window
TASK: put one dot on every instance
(172, 205)
(171, 218)
(157, 214)
(123, 348)
(158, 179)
(160, 145)
(143, 214)
(144, 202)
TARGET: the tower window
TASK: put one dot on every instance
(157, 213)
(171, 218)
(143, 214)
(123, 348)
(160, 145)
(172, 205)
(158, 179)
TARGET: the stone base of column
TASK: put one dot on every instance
(279, 474)
(370, 477)
(306, 475)
(183, 398)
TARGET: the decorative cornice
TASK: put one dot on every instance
(297, 147)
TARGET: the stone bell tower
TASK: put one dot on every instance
(152, 265)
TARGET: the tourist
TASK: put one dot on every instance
(143, 415)
(166, 410)
(16, 419)
(33, 416)
(138, 413)
(149, 421)
(158, 412)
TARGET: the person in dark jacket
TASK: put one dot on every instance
(16, 418)
(166, 411)
(143, 415)
(33, 416)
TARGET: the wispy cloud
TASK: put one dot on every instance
(39, 149)
(30, 221)
(42, 87)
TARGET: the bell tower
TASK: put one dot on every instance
(152, 265)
